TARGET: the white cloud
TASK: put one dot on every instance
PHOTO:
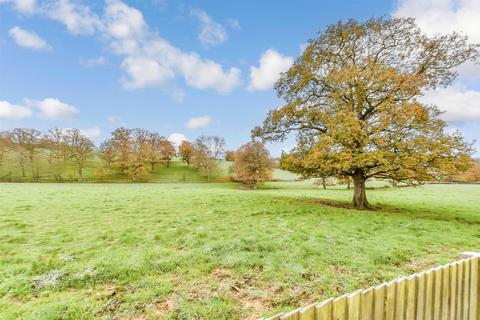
(23, 6)
(148, 59)
(458, 103)
(211, 33)
(94, 62)
(91, 133)
(53, 109)
(198, 122)
(76, 17)
(177, 138)
(145, 72)
(272, 64)
(443, 16)
(28, 39)
(14, 112)
(123, 22)
(446, 16)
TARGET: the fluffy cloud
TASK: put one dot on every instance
(443, 16)
(145, 72)
(446, 16)
(28, 39)
(198, 122)
(76, 17)
(23, 6)
(124, 23)
(177, 138)
(459, 103)
(148, 59)
(272, 64)
(14, 112)
(53, 109)
(211, 33)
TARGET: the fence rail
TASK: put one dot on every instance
(449, 292)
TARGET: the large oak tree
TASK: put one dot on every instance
(352, 98)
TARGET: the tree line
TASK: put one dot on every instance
(27, 147)
(131, 152)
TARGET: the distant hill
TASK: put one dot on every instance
(177, 171)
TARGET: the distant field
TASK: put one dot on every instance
(212, 251)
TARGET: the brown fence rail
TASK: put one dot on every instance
(449, 292)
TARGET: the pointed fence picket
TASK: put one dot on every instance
(449, 292)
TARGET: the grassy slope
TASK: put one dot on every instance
(211, 251)
(178, 171)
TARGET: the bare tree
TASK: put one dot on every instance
(208, 150)
(57, 157)
(80, 148)
(27, 143)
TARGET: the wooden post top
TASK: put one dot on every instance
(469, 254)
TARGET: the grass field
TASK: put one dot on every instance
(177, 171)
(212, 251)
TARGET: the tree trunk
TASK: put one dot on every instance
(80, 173)
(359, 195)
(32, 164)
(23, 169)
(348, 184)
(324, 183)
(152, 166)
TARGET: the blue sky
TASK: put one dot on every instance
(185, 67)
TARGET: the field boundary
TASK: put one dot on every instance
(446, 292)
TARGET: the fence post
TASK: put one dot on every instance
(476, 279)
(469, 254)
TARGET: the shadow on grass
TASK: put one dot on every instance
(390, 210)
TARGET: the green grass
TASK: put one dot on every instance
(177, 171)
(212, 251)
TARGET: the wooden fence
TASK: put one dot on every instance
(450, 292)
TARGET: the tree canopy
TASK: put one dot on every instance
(352, 99)
(252, 163)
